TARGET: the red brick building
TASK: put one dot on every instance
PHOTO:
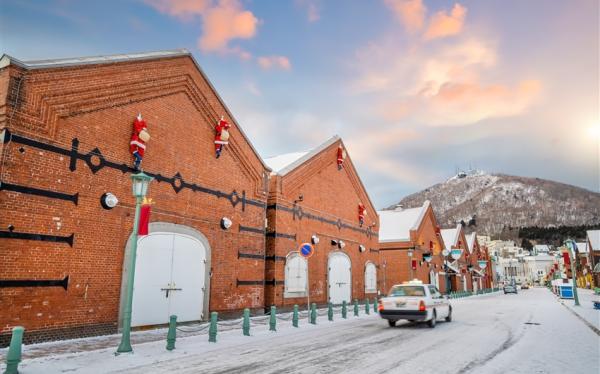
(458, 264)
(314, 198)
(411, 246)
(480, 276)
(65, 130)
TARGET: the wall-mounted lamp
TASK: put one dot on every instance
(361, 248)
(341, 244)
(108, 201)
(226, 223)
(314, 239)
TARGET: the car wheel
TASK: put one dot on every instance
(391, 323)
(449, 317)
(432, 321)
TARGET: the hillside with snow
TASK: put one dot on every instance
(489, 203)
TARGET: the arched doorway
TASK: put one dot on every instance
(339, 278)
(171, 275)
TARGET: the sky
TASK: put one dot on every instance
(416, 88)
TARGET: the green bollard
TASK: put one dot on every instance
(212, 330)
(295, 316)
(330, 312)
(14, 351)
(367, 306)
(344, 310)
(355, 307)
(246, 323)
(273, 319)
(172, 333)
(375, 306)
(313, 314)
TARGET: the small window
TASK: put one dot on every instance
(295, 274)
(370, 278)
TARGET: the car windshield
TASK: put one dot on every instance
(407, 291)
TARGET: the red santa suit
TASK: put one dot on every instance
(341, 155)
(221, 135)
(137, 146)
(362, 212)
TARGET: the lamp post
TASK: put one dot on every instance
(140, 184)
(445, 254)
(571, 245)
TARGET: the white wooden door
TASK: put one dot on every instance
(152, 272)
(187, 278)
(169, 279)
(339, 278)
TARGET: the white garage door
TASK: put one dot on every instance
(169, 279)
(339, 278)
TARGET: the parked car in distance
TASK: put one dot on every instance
(509, 288)
(524, 286)
(415, 301)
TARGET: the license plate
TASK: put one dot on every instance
(400, 303)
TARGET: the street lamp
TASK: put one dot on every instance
(445, 254)
(571, 245)
(140, 183)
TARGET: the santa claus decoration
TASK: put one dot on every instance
(221, 135)
(139, 137)
(362, 212)
(341, 156)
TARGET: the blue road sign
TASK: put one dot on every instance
(306, 250)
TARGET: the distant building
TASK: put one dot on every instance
(541, 248)
(593, 246)
(537, 267)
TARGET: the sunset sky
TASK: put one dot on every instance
(416, 88)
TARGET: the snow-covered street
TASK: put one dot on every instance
(526, 333)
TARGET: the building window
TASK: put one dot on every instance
(295, 275)
(370, 278)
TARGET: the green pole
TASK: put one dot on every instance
(367, 306)
(172, 334)
(125, 345)
(14, 351)
(295, 316)
(313, 313)
(356, 307)
(212, 329)
(246, 323)
(344, 309)
(330, 312)
(571, 249)
(273, 319)
(375, 306)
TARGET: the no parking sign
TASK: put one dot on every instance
(306, 250)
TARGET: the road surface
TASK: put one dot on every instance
(526, 333)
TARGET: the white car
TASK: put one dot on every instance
(415, 301)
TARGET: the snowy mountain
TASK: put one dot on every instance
(489, 203)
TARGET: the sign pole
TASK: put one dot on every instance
(308, 288)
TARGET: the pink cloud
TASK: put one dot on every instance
(183, 9)
(443, 24)
(274, 62)
(411, 13)
(224, 22)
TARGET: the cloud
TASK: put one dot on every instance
(443, 24)
(441, 85)
(313, 9)
(222, 22)
(274, 62)
(411, 13)
(185, 10)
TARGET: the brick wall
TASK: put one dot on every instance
(328, 194)
(96, 105)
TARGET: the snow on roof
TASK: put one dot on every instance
(594, 239)
(450, 236)
(582, 247)
(471, 241)
(541, 248)
(283, 164)
(395, 225)
(75, 61)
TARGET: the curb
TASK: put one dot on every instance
(587, 323)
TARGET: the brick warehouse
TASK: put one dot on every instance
(317, 196)
(413, 231)
(458, 269)
(66, 128)
(481, 277)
